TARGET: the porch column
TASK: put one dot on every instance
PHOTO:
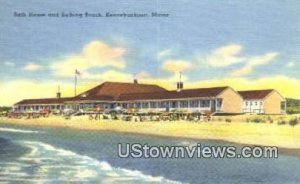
(215, 101)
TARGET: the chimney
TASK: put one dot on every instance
(135, 81)
(58, 94)
(179, 84)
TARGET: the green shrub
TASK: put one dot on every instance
(293, 110)
(258, 120)
(269, 119)
(88, 109)
(293, 121)
(281, 122)
(227, 120)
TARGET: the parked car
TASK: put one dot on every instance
(116, 110)
(68, 111)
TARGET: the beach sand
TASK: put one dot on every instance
(283, 136)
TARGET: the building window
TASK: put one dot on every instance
(163, 104)
(283, 105)
(255, 103)
(219, 103)
(159, 105)
(137, 105)
(261, 103)
(194, 103)
(247, 104)
(153, 105)
(183, 104)
(204, 103)
(130, 105)
(174, 104)
(145, 105)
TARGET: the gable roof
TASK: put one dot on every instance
(93, 98)
(255, 94)
(115, 89)
(107, 91)
(43, 101)
(188, 93)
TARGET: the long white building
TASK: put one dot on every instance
(153, 97)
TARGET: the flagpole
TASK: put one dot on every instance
(75, 82)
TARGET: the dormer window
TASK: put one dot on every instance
(83, 95)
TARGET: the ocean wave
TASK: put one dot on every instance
(45, 162)
(17, 130)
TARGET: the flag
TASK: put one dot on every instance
(77, 72)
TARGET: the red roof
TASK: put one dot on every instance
(115, 89)
(44, 101)
(255, 94)
(107, 91)
(188, 93)
(94, 98)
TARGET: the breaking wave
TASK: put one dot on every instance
(17, 130)
(45, 163)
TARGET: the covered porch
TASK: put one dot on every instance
(194, 105)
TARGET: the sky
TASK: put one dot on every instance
(234, 43)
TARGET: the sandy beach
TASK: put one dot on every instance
(283, 136)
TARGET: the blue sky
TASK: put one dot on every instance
(206, 40)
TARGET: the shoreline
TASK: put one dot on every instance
(286, 138)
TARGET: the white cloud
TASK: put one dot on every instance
(142, 75)
(252, 62)
(262, 60)
(176, 66)
(246, 70)
(110, 75)
(164, 53)
(225, 56)
(8, 63)
(95, 54)
(32, 67)
(168, 82)
(290, 64)
(231, 54)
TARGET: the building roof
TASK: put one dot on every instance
(112, 90)
(93, 98)
(115, 91)
(188, 93)
(43, 101)
(107, 91)
(255, 94)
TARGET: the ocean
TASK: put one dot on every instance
(56, 155)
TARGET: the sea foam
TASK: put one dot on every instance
(45, 162)
(2, 129)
